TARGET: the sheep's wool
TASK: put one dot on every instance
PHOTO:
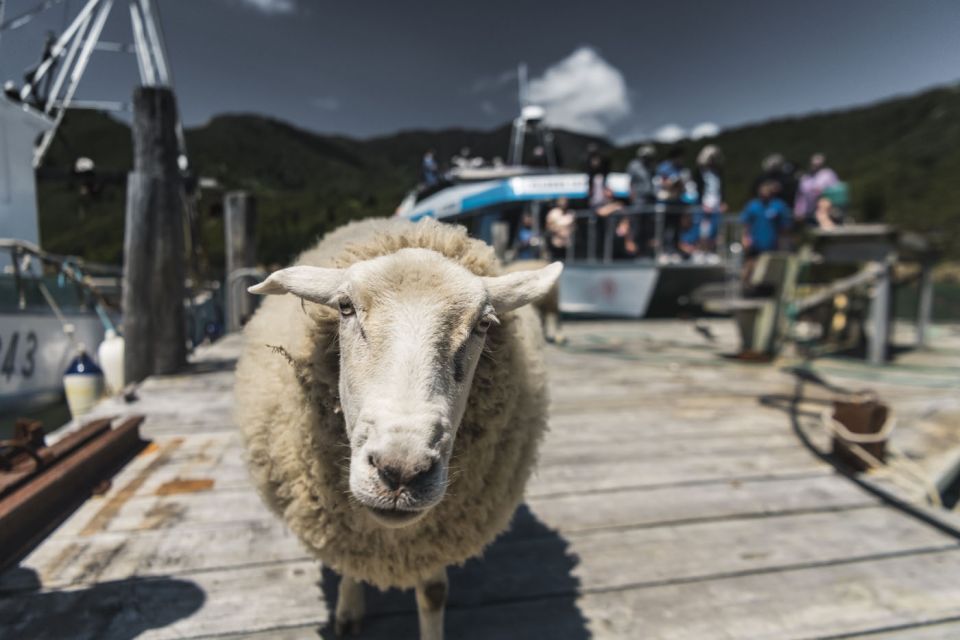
(297, 449)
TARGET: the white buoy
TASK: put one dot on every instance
(110, 356)
(83, 383)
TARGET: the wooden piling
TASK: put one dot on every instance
(239, 224)
(154, 267)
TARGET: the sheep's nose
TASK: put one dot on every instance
(395, 476)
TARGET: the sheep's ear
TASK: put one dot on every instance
(315, 284)
(521, 287)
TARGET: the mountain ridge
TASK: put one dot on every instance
(900, 156)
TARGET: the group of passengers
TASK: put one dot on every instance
(693, 204)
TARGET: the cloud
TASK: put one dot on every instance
(582, 92)
(327, 103)
(487, 84)
(670, 133)
(273, 7)
(704, 130)
(631, 135)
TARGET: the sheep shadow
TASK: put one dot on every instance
(118, 610)
(522, 587)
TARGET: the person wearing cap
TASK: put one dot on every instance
(701, 235)
(818, 178)
(779, 170)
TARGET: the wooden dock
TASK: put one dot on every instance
(674, 499)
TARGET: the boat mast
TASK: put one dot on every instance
(67, 58)
(531, 116)
(519, 130)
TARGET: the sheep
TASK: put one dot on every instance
(392, 407)
(548, 307)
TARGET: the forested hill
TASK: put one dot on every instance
(901, 158)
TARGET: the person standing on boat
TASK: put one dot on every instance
(641, 171)
(597, 169)
(559, 224)
(430, 170)
(527, 244)
(670, 179)
(670, 183)
(780, 171)
(701, 236)
(818, 178)
(764, 219)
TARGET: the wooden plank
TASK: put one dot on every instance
(184, 511)
(673, 504)
(948, 630)
(643, 447)
(636, 558)
(601, 476)
(820, 602)
(66, 562)
(204, 603)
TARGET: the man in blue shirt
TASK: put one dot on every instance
(763, 219)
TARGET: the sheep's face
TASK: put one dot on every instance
(412, 330)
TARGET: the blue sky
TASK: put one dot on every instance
(627, 70)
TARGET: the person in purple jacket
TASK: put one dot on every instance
(813, 183)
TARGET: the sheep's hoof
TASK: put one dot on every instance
(342, 628)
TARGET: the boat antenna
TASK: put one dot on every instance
(519, 123)
(533, 117)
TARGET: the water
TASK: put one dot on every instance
(52, 416)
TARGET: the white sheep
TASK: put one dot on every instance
(392, 407)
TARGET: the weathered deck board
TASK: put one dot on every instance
(669, 504)
(229, 601)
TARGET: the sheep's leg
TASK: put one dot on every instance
(551, 327)
(349, 607)
(431, 600)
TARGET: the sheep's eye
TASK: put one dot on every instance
(346, 308)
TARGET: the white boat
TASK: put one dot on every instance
(597, 281)
(51, 306)
(47, 307)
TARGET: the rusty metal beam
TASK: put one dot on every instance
(28, 457)
(35, 507)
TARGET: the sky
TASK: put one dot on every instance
(626, 70)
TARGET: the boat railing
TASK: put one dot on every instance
(100, 282)
(654, 227)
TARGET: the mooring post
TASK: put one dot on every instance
(924, 303)
(880, 307)
(239, 225)
(154, 266)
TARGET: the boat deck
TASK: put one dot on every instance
(674, 499)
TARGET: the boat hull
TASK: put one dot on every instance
(631, 290)
(34, 353)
